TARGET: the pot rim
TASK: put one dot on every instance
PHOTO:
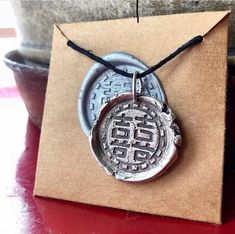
(15, 61)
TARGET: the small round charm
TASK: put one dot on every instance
(135, 139)
(101, 84)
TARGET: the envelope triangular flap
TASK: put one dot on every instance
(188, 24)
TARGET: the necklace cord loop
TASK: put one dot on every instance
(134, 86)
(195, 40)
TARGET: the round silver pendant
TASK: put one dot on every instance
(135, 140)
(101, 84)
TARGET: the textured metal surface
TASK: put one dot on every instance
(135, 140)
(101, 83)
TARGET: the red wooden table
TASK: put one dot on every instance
(20, 212)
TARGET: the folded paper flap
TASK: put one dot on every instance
(213, 19)
(204, 21)
(183, 27)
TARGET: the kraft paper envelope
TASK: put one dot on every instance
(195, 84)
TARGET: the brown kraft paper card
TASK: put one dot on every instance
(195, 85)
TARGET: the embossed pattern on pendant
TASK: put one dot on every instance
(135, 141)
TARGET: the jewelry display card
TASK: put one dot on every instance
(195, 83)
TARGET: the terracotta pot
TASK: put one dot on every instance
(31, 80)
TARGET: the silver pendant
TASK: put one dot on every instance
(135, 137)
(101, 84)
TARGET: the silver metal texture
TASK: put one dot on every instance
(134, 85)
(101, 84)
(135, 140)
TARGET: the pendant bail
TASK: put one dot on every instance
(134, 92)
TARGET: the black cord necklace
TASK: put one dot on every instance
(74, 46)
